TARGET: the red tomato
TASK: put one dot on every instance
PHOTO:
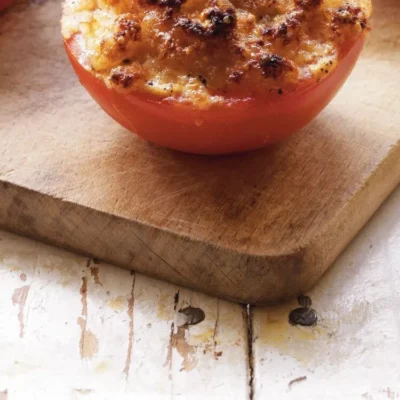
(5, 4)
(237, 126)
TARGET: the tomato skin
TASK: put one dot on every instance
(5, 4)
(234, 127)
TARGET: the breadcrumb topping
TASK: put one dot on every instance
(206, 51)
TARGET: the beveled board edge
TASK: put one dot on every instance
(246, 278)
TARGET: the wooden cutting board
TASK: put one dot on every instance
(258, 227)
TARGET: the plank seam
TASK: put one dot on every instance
(250, 356)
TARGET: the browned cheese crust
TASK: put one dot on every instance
(205, 51)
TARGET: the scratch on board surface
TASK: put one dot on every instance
(19, 298)
(180, 192)
(160, 258)
(131, 303)
(222, 272)
(88, 344)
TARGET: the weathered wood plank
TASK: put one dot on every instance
(354, 350)
(96, 331)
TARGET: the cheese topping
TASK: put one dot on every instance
(207, 51)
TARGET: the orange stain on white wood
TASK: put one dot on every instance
(118, 303)
(88, 343)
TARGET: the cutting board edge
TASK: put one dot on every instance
(296, 271)
(18, 204)
(324, 249)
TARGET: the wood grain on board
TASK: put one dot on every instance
(256, 227)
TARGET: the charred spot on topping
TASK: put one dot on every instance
(128, 30)
(168, 13)
(282, 30)
(202, 80)
(236, 76)
(125, 76)
(122, 78)
(221, 20)
(273, 66)
(307, 4)
(220, 23)
(194, 27)
(129, 27)
(349, 15)
(268, 31)
(287, 29)
(237, 49)
(167, 3)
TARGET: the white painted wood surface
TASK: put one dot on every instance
(71, 329)
(354, 351)
(74, 329)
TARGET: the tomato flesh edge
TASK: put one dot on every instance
(221, 129)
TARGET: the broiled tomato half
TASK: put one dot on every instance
(214, 76)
